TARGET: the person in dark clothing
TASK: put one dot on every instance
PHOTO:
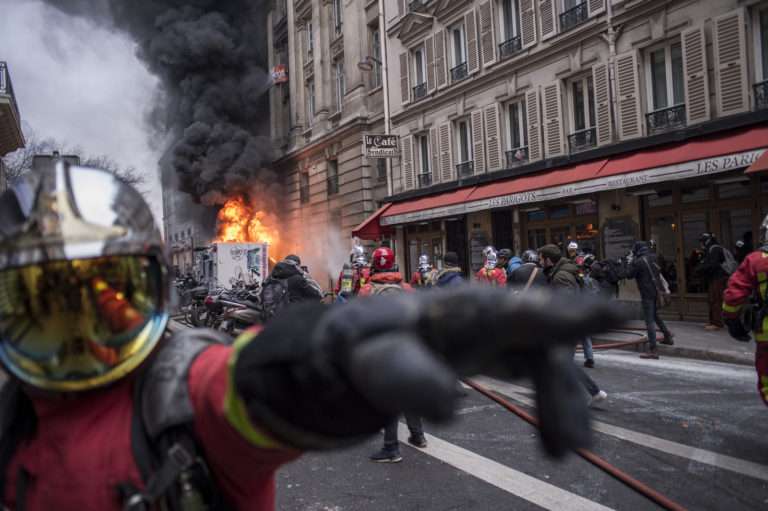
(300, 288)
(529, 271)
(711, 270)
(563, 275)
(450, 275)
(606, 277)
(645, 270)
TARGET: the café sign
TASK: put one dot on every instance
(381, 146)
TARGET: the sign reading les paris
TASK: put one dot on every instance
(381, 146)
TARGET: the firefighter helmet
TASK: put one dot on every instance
(383, 259)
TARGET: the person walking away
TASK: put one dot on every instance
(529, 274)
(451, 275)
(716, 266)
(425, 275)
(490, 274)
(746, 300)
(508, 262)
(286, 285)
(563, 276)
(358, 264)
(646, 272)
(385, 279)
(606, 275)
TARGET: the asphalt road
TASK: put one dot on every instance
(695, 431)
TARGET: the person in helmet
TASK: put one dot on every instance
(424, 276)
(385, 277)
(508, 262)
(354, 274)
(746, 282)
(490, 274)
(572, 250)
(711, 269)
(529, 274)
(101, 400)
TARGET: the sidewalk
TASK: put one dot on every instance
(691, 341)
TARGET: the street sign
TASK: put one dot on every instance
(381, 146)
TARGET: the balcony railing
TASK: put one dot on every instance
(510, 47)
(419, 91)
(517, 157)
(466, 169)
(582, 140)
(761, 95)
(459, 72)
(574, 17)
(6, 89)
(332, 185)
(417, 5)
(425, 180)
(666, 119)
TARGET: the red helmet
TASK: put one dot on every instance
(383, 259)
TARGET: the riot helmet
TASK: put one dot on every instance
(530, 256)
(491, 259)
(424, 265)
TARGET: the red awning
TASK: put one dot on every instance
(433, 201)
(371, 229)
(761, 165)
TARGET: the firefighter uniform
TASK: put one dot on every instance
(751, 277)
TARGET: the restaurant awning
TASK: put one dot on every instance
(371, 229)
(761, 165)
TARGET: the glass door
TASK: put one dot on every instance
(693, 224)
(663, 230)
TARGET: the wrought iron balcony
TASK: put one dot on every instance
(582, 140)
(11, 137)
(517, 157)
(761, 95)
(466, 169)
(425, 180)
(418, 5)
(574, 17)
(419, 91)
(332, 185)
(510, 47)
(459, 72)
(666, 119)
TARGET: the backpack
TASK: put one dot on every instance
(171, 463)
(386, 289)
(274, 297)
(729, 264)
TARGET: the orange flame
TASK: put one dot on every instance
(239, 222)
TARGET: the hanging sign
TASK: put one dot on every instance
(381, 146)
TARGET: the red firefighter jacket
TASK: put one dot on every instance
(384, 278)
(751, 276)
(494, 277)
(360, 277)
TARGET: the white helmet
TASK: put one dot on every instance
(490, 258)
(573, 245)
(764, 233)
(424, 265)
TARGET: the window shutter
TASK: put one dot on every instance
(487, 33)
(553, 120)
(434, 147)
(695, 75)
(628, 97)
(595, 7)
(478, 141)
(548, 18)
(406, 158)
(493, 137)
(401, 7)
(602, 104)
(441, 69)
(447, 170)
(470, 28)
(528, 23)
(430, 54)
(534, 125)
(730, 63)
(405, 81)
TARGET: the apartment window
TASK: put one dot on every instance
(582, 112)
(574, 13)
(310, 102)
(664, 73)
(761, 87)
(303, 187)
(338, 16)
(341, 84)
(310, 40)
(419, 73)
(381, 170)
(465, 167)
(422, 153)
(517, 128)
(376, 54)
(510, 28)
(458, 44)
(333, 177)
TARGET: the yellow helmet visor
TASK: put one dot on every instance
(80, 324)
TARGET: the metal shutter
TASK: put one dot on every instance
(695, 75)
(628, 97)
(730, 63)
(406, 158)
(528, 23)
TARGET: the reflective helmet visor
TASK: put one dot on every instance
(80, 324)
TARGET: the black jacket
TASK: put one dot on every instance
(519, 277)
(564, 276)
(711, 266)
(299, 288)
(606, 277)
(643, 263)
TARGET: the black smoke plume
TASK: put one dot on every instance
(210, 56)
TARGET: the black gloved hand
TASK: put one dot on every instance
(737, 331)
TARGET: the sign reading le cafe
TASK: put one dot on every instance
(380, 146)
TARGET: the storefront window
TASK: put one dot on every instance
(659, 200)
(693, 225)
(536, 215)
(537, 238)
(689, 195)
(664, 232)
(559, 236)
(588, 236)
(556, 212)
(736, 190)
(735, 225)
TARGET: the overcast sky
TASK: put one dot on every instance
(80, 84)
